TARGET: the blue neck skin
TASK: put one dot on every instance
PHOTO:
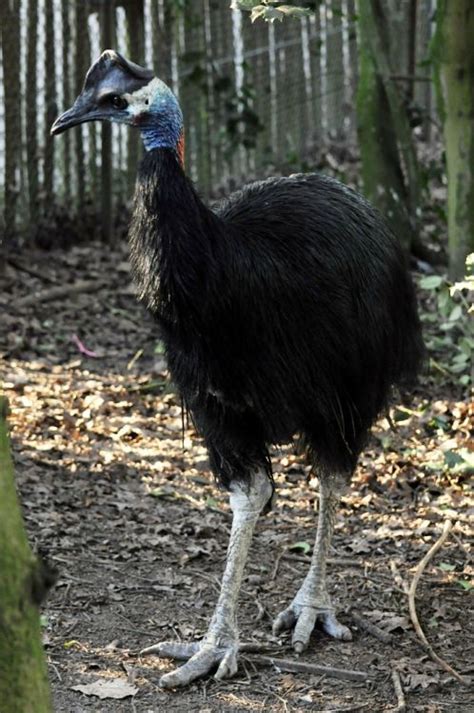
(164, 123)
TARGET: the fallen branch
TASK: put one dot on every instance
(29, 270)
(371, 629)
(397, 684)
(412, 606)
(300, 667)
(54, 293)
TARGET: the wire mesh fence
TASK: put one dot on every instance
(253, 97)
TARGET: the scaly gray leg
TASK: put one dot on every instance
(312, 601)
(220, 644)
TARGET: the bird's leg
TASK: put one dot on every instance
(312, 601)
(220, 644)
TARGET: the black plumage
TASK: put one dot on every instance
(287, 309)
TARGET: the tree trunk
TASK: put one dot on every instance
(67, 98)
(380, 47)
(79, 64)
(134, 11)
(453, 54)
(381, 171)
(23, 678)
(31, 114)
(10, 24)
(334, 70)
(51, 109)
(107, 27)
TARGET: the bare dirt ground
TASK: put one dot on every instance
(122, 504)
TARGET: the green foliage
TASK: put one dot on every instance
(271, 10)
(452, 344)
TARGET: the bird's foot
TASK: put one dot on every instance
(302, 615)
(201, 658)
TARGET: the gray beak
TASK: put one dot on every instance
(77, 114)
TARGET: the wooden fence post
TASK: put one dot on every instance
(23, 679)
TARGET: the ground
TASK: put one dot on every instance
(120, 501)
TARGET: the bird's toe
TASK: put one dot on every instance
(303, 629)
(301, 616)
(200, 664)
(173, 650)
(334, 628)
(284, 621)
(228, 666)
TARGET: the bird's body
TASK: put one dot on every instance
(287, 310)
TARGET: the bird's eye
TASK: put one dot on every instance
(118, 102)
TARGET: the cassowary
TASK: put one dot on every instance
(285, 310)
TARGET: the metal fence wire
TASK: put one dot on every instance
(255, 97)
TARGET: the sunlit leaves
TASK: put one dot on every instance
(451, 342)
(270, 10)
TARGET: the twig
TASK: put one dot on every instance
(347, 709)
(54, 293)
(412, 606)
(397, 684)
(372, 629)
(341, 561)
(399, 581)
(29, 271)
(276, 565)
(300, 667)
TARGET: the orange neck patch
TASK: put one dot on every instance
(180, 148)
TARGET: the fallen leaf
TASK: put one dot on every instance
(107, 688)
(303, 547)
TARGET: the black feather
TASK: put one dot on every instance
(288, 309)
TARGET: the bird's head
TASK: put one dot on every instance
(116, 89)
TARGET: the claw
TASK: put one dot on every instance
(284, 621)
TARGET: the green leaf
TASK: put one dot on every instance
(456, 313)
(164, 492)
(400, 415)
(292, 11)
(302, 546)
(431, 282)
(452, 459)
(461, 358)
(446, 567)
(465, 584)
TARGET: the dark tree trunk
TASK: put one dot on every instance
(66, 80)
(10, 33)
(80, 48)
(31, 113)
(107, 27)
(136, 45)
(51, 109)
(453, 55)
(389, 163)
